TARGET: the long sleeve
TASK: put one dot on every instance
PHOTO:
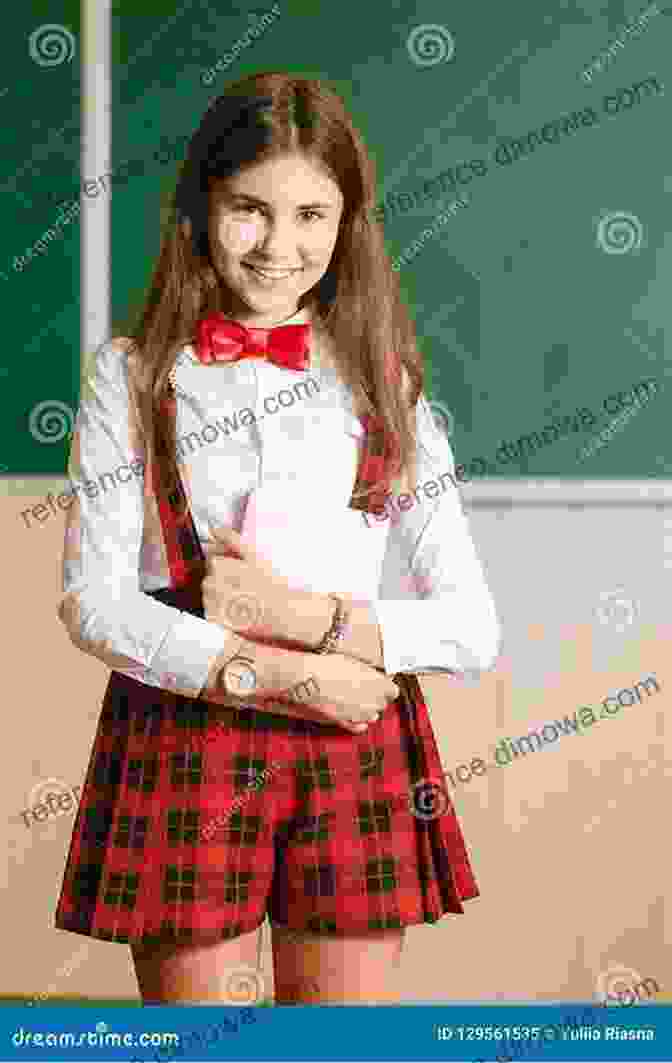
(104, 610)
(436, 612)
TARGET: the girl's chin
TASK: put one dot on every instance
(276, 295)
(278, 299)
(276, 303)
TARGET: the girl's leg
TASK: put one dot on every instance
(189, 974)
(357, 969)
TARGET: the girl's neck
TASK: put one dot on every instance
(241, 312)
(265, 322)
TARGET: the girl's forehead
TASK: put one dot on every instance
(281, 177)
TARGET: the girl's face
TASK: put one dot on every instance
(272, 233)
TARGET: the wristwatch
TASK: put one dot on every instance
(237, 678)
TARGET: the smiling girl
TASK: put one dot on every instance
(270, 268)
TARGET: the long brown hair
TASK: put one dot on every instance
(357, 300)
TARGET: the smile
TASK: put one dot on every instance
(271, 274)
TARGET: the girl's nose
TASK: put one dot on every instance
(277, 240)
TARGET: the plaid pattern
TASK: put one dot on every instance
(195, 821)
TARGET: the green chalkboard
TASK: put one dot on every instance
(40, 105)
(524, 173)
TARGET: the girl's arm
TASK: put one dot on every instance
(437, 613)
(308, 617)
(306, 686)
(103, 609)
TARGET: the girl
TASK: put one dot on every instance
(262, 748)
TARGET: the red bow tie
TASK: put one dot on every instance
(221, 340)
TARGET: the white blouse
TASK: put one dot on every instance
(433, 607)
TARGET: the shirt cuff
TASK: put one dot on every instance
(185, 657)
(427, 652)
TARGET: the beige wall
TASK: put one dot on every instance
(570, 844)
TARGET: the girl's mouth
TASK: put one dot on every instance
(270, 276)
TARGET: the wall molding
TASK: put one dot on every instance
(486, 494)
(556, 491)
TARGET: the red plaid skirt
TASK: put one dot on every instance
(195, 820)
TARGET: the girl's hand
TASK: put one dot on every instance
(323, 688)
(241, 591)
(345, 689)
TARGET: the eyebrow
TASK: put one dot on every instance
(263, 203)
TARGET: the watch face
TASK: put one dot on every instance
(239, 676)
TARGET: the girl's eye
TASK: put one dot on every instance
(249, 207)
